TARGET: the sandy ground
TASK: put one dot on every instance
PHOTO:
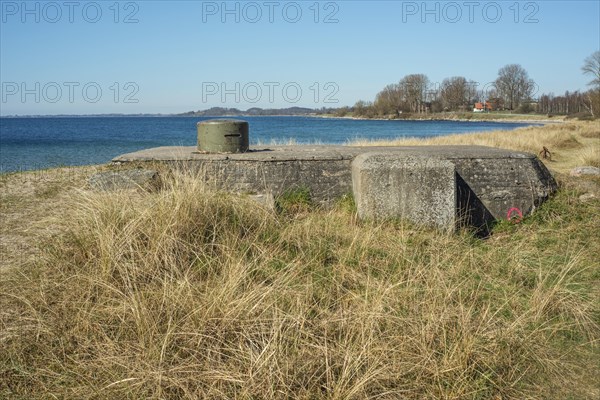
(28, 200)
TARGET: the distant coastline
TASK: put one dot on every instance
(220, 112)
(515, 118)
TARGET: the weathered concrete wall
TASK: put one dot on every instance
(276, 177)
(125, 180)
(485, 185)
(501, 184)
(488, 182)
(419, 189)
(324, 170)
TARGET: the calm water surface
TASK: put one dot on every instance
(37, 143)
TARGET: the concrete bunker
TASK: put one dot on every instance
(441, 186)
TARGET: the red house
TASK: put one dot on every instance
(481, 107)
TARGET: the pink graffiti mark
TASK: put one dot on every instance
(514, 215)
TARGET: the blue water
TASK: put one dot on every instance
(37, 143)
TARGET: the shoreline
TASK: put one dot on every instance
(499, 120)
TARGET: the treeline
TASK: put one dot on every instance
(576, 102)
(569, 103)
(416, 94)
(512, 90)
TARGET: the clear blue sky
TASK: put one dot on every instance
(167, 57)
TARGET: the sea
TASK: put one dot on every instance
(40, 143)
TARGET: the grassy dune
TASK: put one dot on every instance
(571, 143)
(192, 293)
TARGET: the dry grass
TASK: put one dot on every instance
(25, 199)
(590, 156)
(564, 140)
(190, 293)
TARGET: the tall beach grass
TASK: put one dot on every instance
(188, 292)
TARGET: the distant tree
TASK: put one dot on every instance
(591, 101)
(342, 111)
(433, 99)
(472, 91)
(456, 93)
(414, 88)
(390, 101)
(591, 66)
(514, 85)
(363, 109)
(569, 103)
(437, 106)
(525, 108)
